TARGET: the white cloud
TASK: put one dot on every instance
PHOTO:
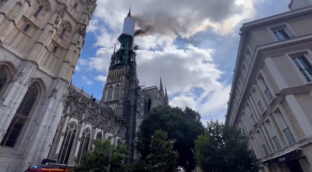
(101, 78)
(93, 25)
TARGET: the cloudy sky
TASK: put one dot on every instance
(192, 46)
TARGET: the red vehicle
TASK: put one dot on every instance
(51, 168)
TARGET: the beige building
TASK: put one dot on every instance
(271, 96)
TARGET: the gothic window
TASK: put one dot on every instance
(3, 77)
(54, 49)
(149, 105)
(21, 116)
(63, 32)
(116, 92)
(26, 28)
(109, 93)
(65, 29)
(84, 143)
(67, 143)
(42, 5)
(37, 12)
(99, 136)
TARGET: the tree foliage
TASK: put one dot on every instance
(162, 157)
(222, 148)
(97, 159)
(181, 126)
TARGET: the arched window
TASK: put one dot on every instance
(109, 93)
(116, 95)
(99, 136)
(37, 12)
(84, 143)
(63, 32)
(26, 28)
(43, 4)
(65, 29)
(21, 116)
(149, 105)
(3, 77)
(67, 143)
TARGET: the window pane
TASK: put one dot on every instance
(289, 136)
(116, 92)
(99, 136)
(67, 144)
(28, 100)
(3, 78)
(38, 11)
(20, 118)
(13, 132)
(281, 34)
(261, 107)
(276, 142)
(304, 67)
(268, 94)
(84, 144)
(265, 149)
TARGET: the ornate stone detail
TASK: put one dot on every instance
(53, 93)
(18, 76)
(82, 30)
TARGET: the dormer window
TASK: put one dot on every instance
(38, 11)
(281, 32)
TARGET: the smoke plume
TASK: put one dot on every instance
(178, 17)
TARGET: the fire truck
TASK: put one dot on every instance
(51, 167)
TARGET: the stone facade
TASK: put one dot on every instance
(271, 95)
(84, 113)
(41, 114)
(40, 42)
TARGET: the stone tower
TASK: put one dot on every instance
(121, 88)
(40, 43)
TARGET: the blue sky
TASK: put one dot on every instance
(193, 47)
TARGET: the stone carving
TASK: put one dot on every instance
(53, 93)
(18, 76)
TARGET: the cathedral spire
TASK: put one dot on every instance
(166, 97)
(161, 88)
(129, 13)
(129, 23)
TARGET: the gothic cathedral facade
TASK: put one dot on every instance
(42, 115)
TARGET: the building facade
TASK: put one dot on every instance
(41, 114)
(271, 94)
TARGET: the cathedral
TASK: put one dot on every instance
(42, 115)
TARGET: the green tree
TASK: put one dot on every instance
(223, 148)
(181, 126)
(162, 157)
(97, 159)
